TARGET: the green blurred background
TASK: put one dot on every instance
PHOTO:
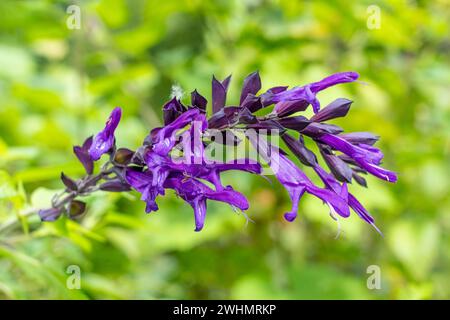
(57, 86)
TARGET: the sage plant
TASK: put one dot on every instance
(176, 156)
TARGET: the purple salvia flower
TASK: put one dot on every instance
(219, 93)
(360, 137)
(308, 92)
(193, 162)
(367, 160)
(163, 141)
(338, 167)
(104, 140)
(143, 183)
(198, 101)
(196, 193)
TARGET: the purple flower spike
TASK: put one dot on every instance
(297, 123)
(104, 140)
(182, 154)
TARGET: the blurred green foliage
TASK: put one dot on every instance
(58, 85)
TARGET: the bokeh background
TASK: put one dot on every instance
(57, 86)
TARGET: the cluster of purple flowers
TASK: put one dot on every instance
(174, 156)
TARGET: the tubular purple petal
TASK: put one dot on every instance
(226, 83)
(104, 140)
